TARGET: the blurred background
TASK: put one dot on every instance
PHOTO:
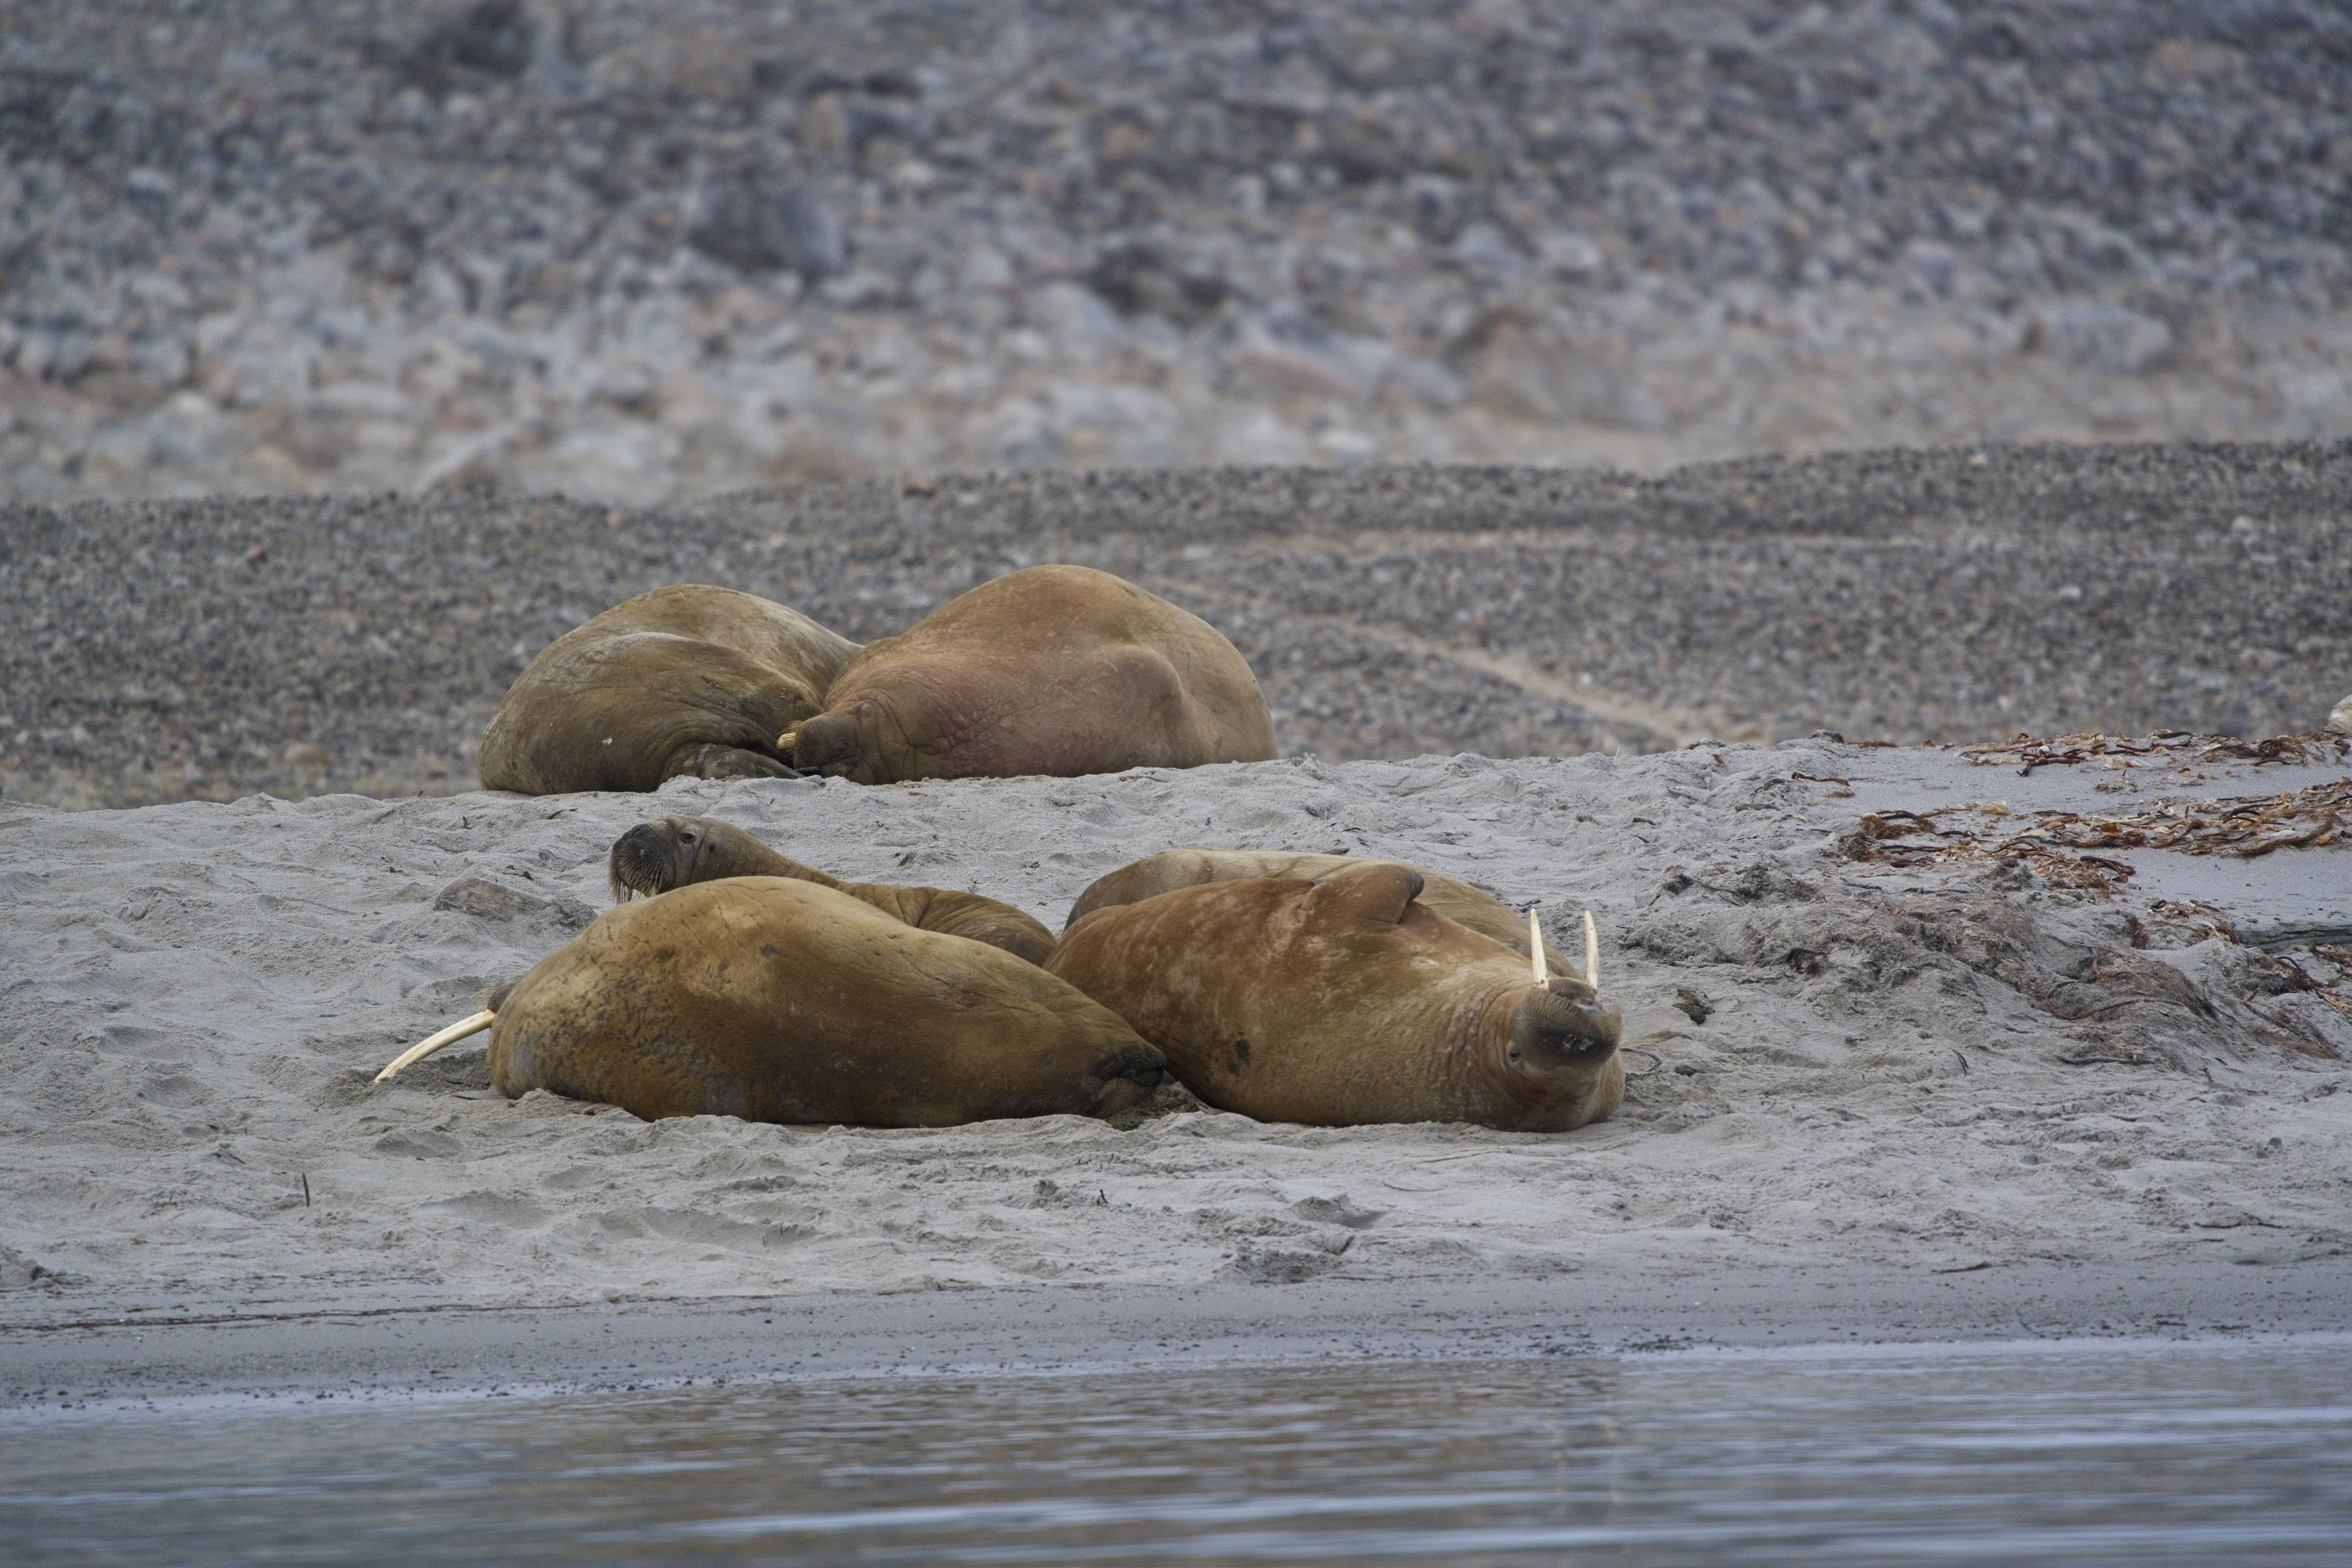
(646, 253)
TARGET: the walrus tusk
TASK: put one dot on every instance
(788, 739)
(1534, 948)
(432, 1043)
(1591, 953)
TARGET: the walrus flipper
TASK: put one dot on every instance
(967, 915)
(710, 760)
(677, 851)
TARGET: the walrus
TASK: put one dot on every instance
(1347, 1001)
(1055, 670)
(778, 1000)
(1458, 901)
(687, 680)
(674, 851)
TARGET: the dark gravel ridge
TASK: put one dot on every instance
(160, 650)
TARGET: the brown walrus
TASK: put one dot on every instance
(1055, 670)
(1458, 901)
(1345, 1001)
(674, 851)
(687, 679)
(777, 1000)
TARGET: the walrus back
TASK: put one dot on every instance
(1461, 902)
(626, 699)
(1059, 670)
(779, 1000)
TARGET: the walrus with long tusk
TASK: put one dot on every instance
(778, 1000)
(1347, 1001)
(1055, 670)
(687, 680)
(1459, 902)
(674, 851)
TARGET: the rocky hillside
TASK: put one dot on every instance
(643, 252)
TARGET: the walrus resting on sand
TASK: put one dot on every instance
(1055, 670)
(674, 851)
(1344, 1002)
(686, 679)
(1458, 901)
(778, 1000)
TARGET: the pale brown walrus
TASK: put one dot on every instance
(1459, 902)
(1344, 1002)
(778, 1000)
(687, 679)
(674, 851)
(1055, 670)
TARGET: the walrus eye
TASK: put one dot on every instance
(687, 838)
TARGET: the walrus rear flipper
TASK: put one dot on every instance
(710, 760)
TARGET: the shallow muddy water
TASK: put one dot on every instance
(2080, 1452)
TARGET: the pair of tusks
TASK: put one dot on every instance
(464, 1027)
(432, 1043)
(1591, 951)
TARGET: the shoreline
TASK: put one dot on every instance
(1602, 1309)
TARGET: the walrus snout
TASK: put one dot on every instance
(1563, 1024)
(1127, 1077)
(642, 861)
(826, 745)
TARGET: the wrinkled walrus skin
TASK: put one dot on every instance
(1345, 1002)
(687, 679)
(1467, 905)
(777, 1000)
(674, 851)
(1057, 670)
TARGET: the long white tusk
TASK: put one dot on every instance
(1535, 947)
(432, 1043)
(1591, 953)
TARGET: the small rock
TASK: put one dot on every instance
(760, 220)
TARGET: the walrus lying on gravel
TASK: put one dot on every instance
(674, 851)
(1458, 901)
(686, 679)
(1345, 1001)
(1055, 670)
(778, 1000)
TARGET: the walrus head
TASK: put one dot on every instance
(671, 851)
(830, 744)
(1563, 1039)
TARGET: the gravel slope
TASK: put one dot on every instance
(167, 651)
(650, 252)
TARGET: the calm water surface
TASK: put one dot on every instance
(2134, 1453)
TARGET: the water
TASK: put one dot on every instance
(2135, 1453)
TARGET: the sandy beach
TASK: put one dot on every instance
(1978, 1066)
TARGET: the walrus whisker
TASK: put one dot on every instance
(1591, 953)
(432, 1043)
(1534, 948)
